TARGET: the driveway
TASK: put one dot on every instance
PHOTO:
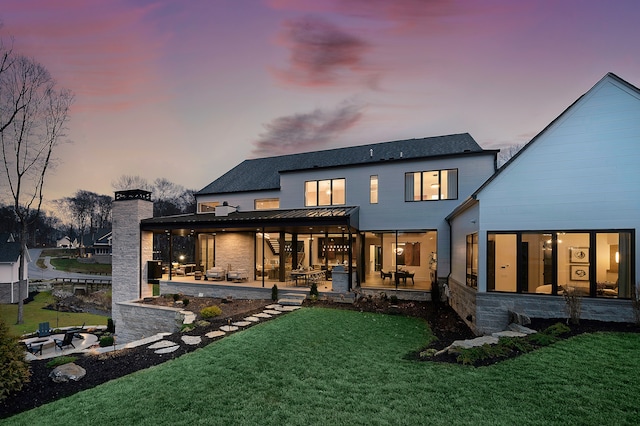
(50, 273)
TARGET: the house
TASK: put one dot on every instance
(65, 242)
(371, 208)
(9, 270)
(98, 245)
(560, 215)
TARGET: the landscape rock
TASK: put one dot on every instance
(518, 318)
(64, 373)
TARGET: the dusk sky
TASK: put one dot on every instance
(185, 90)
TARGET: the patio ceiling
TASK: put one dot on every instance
(301, 221)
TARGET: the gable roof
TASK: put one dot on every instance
(264, 173)
(9, 252)
(609, 77)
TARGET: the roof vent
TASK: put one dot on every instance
(400, 154)
(371, 153)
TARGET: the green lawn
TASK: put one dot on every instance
(334, 367)
(72, 265)
(34, 315)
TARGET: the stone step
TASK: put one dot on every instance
(291, 302)
(294, 296)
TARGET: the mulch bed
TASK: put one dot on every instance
(444, 322)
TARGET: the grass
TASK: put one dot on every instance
(34, 314)
(72, 265)
(333, 367)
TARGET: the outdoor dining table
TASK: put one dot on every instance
(307, 276)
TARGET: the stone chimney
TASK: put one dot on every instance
(130, 246)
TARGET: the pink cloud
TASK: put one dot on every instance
(321, 53)
(103, 52)
(406, 15)
(305, 132)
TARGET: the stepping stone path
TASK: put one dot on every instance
(166, 346)
(192, 340)
(167, 350)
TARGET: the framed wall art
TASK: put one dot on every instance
(579, 273)
(578, 254)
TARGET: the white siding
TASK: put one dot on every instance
(581, 173)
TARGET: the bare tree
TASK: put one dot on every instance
(508, 152)
(81, 207)
(87, 210)
(125, 182)
(33, 119)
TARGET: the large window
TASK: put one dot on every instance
(373, 189)
(328, 192)
(431, 185)
(267, 203)
(590, 263)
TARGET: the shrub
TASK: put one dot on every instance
(436, 297)
(557, 329)
(176, 297)
(185, 302)
(15, 370)
(517, 344)
(472, 356)
(210, 311)
(274, 292)
(394, 299)
(106, 340)
(61, 360)
(313, 291)
(542, 339)
(111, 327)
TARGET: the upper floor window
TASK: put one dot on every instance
(328, 192)
(266, 203)
(208, 207)
(373, 189)
(431, 185)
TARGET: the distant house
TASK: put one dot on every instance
(65, 242)
(98, 245)
(9, 269)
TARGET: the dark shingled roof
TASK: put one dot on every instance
(264, 173)
(9, 252)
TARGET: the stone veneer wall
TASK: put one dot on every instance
(128, 250)
(6, 290)
(139, 321)
(218, 290)
(236, 250)
(463, 301)
(490, 311)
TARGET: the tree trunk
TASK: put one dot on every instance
(21, 271)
